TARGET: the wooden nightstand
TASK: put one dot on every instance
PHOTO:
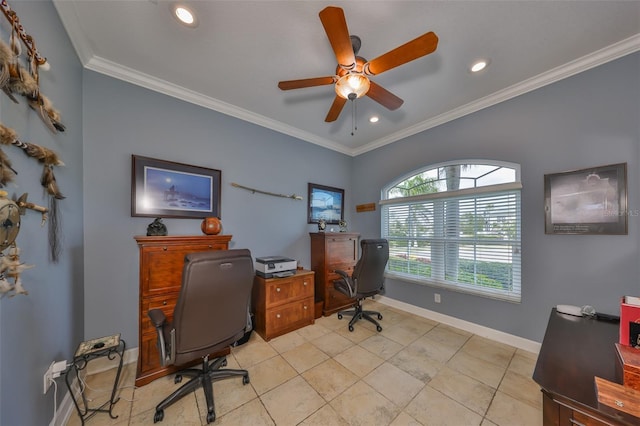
(282, 305)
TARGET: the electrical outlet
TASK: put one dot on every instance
(436, 297)
(48, 378)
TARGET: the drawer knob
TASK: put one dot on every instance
(305, 306)
(277, 315)
(278, 289)
(164, 302)
(209, 245)
(164, 248)
(304, 283)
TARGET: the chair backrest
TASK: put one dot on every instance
(368, 274)
(212, 308)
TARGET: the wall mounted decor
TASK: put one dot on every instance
(587, 201)
(167, 189)
(253, 190)
(325, 203)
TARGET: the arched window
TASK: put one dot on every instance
(456, 225)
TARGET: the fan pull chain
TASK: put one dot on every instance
(354, 125)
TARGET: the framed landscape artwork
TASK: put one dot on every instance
(166, 189)
(587, 201)
(325, 203)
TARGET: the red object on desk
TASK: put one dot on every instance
(629, 313)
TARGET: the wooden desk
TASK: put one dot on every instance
(573, 351)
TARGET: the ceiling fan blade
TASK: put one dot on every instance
(306, 82)
(336, 109)
(414, 49)
(384, 97)
(335, 25)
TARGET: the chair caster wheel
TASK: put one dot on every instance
(379, 328)
(158, 416)
(379, 317)
(245, 380)
(339, 316)
(211, 417)
(351, 328)
(177, 379)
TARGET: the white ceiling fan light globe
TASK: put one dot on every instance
(352, 84)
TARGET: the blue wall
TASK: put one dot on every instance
(587, 120)
(47, 324)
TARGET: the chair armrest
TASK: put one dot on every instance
(344, 284)
(157, 317)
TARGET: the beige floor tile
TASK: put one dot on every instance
(440, 351)
(484, 371)
(448, 335)
(148, 396)
(404, 419)
(329, 378)
(392, 316)
(325, 416)
(381, 346)
(522, 364)
(287, 342)
(362, 405)
(431, 407)
(396, 385)
(469, 392)
(292, 402)
(417, 364)
(183, 412)
(488, 350)
(313, 331)
(507, 411)
(522, 388)
(253, 352)
(270, 374)
(332, 343)
(487, 422)
(362, 330)
(399, 334)
(531, 355)
(359, 360)
(417, 324)
(330, 322)
(252, 413)
(304, 357)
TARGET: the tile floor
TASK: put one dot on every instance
(415, 372)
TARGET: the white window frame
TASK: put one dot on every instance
(513, 189)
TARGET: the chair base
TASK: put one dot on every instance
(210, 372)
(358, 313)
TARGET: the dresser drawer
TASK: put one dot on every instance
(165, 303)
(285, 290)
(289, 317)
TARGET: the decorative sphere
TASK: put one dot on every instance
(211, 226)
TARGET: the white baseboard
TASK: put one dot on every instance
(67, 408)
(489, 333)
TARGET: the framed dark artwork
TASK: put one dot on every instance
(167, 189)
(325, 203)
(587, 201)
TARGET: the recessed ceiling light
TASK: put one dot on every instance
(479, 65)
(373, 119)
(184, 15)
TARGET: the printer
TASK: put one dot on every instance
(275, 266)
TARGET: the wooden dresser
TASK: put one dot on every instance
(573, 352)
(161, 264)
(282, 305)
(331, 251)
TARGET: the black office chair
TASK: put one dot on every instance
(367, 280)
(211, 314)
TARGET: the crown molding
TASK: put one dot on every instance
(594, 59)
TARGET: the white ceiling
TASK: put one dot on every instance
(232, 61)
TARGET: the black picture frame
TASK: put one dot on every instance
(162, 188)
(587, 201)
(325, 202)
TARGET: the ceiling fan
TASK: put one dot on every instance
(352, 73)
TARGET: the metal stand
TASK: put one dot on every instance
(111, 347)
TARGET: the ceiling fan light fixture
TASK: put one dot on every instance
(352, 86)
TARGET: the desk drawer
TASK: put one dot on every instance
(285, 290)
(165, 303)
(290, 316)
